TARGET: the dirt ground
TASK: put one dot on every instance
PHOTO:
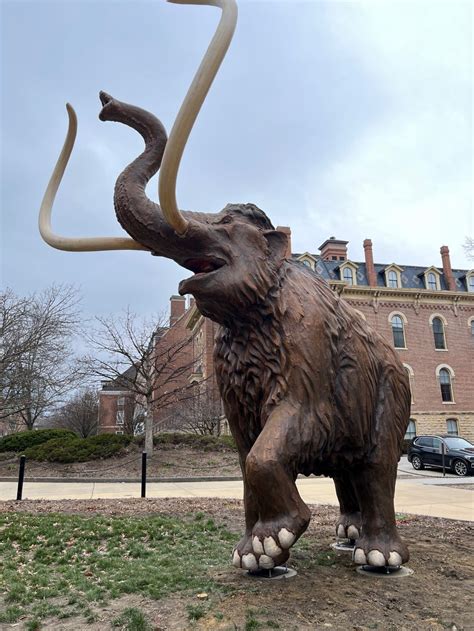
(327, 592)
(167, 461)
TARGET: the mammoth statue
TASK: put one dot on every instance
(308, 387)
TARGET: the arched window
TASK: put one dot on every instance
(392, 279)
(472, 326)
(452, 427)
(411, 430)
(398, 332)
(445, 385)
(411, 377)
(470, 283)
(431, 281)
(438, 333)
(347, 275)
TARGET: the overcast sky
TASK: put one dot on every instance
(351, 119)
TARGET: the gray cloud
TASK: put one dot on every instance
(352, 119)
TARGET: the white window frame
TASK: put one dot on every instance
(120, 417)
(393, 268)
(353, 269)
(452, 420)
(437, 275)
(445, 324)
(452, 376)
(405, 322)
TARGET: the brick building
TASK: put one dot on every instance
(169, 363)
(426, 313)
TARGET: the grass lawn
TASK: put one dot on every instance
(56, 565)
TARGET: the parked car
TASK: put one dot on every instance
(428, 451)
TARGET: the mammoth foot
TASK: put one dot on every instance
(380, 550)
(349, 526)
(262, 550)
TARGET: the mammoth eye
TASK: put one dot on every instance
(226, 219)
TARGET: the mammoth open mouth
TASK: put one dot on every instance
(203, 265)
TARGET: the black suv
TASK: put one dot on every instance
(428, 450)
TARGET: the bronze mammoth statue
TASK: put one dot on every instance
(308, 387)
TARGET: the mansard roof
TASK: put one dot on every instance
(412, 276)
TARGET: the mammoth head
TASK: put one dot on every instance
(233, 254)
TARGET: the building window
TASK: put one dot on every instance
(471, 326)
(445, 385)
(452, 427)
(119, 431)
(347, 275)
(120, 417)
(438, 333)
(334, 258)
(411, 377)
(411, 430)
(470, 282)
(392, 279)
(398, 332)
(431, 281)
(120, 402)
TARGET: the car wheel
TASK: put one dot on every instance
(460, 467)
(417, 463)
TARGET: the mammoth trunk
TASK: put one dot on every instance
(136, 213)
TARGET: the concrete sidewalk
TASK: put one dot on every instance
(420, 497)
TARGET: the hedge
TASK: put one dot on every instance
(68, 450)
(23, 440)
(194, 441)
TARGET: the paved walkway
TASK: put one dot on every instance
(421, 496)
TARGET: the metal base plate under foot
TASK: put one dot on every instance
(344, 545)
(274, 574)
(398, 571)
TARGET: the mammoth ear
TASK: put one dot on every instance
(277, 243)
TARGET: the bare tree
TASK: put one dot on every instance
(469, 248)
(202, 413)
(144, 357)
(80, 413)
(37, 366)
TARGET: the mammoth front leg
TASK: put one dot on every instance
(243, 552)
(270, 478)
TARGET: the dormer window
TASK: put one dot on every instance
(308, 259)
(392, 279)
(470, 281)
(432, 279)
(393, 276)
(348, 272)
(348, 276)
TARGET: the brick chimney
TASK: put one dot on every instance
(369, 263)
(447, 271)
(177, 308)
(334, 250)
(287, 231)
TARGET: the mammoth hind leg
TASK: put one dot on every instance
(379, 544)
(348, 525)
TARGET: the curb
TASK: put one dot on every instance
(121, 480)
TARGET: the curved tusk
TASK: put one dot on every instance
(80, 244)
(190, 109)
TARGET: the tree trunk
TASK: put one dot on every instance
(148, 432)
